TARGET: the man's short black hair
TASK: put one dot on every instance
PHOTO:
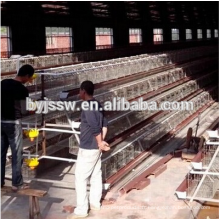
(88, 86)
(26, 70)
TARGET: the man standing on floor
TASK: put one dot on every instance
(93, 131)
(13, 96)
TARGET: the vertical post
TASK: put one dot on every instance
(31, 207)
(17, 65)
(43, 118)
(197, 124)
(37, 207)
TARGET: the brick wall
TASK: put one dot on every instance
(4, 44)
(58, 42)
(134, 38)
(63, 42)
(103, 40)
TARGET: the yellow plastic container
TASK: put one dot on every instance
(32, 163)
(33, 133)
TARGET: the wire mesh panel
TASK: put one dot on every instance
(122, 92)
(112, 165)
(28, 173)
(130, 92)
(152, 134)
(207, 189)
(73, 145)
(208, 152)
(137, 148)
(9, 65)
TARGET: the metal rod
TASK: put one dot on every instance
(59, 130)
(30, 155)
(43, 122)
(204, 199)
(56, 158)
(57, 125)
(204, 172)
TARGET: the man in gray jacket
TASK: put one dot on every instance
(92, 134)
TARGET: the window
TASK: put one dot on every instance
(199, 33)
(175, 34)
(216, 33)
(135, 35)
(58, 39)
(5, 42)
(158, 35)
(188, 34)
(104, 38)
(208, 33)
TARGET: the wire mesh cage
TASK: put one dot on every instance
(8, 65)
(73, 145)
(207, 189)
(28, 173)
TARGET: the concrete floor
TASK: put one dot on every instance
(156, 201)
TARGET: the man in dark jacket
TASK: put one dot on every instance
(13, 96)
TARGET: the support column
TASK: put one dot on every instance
(147, 35)
(120, 25)
(28, 38)
(194, 33)
(182, 32)
(167, 34)
(204, 33)
(84, 36)
(27, 28)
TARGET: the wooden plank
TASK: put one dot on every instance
(31, 207)
(159, 170)
(142, 184)
(6, 189)
(32, 192)
(37, 207)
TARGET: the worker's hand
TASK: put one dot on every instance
(104, 146)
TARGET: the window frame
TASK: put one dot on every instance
(208, 33)
(138, 32)
(157, 32)
(8, 37)
(188, 34)
(53, 32)
(215, 33)
(175, 34)
(104, 31)
(199, 34)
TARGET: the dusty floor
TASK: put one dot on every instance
(156, 201)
